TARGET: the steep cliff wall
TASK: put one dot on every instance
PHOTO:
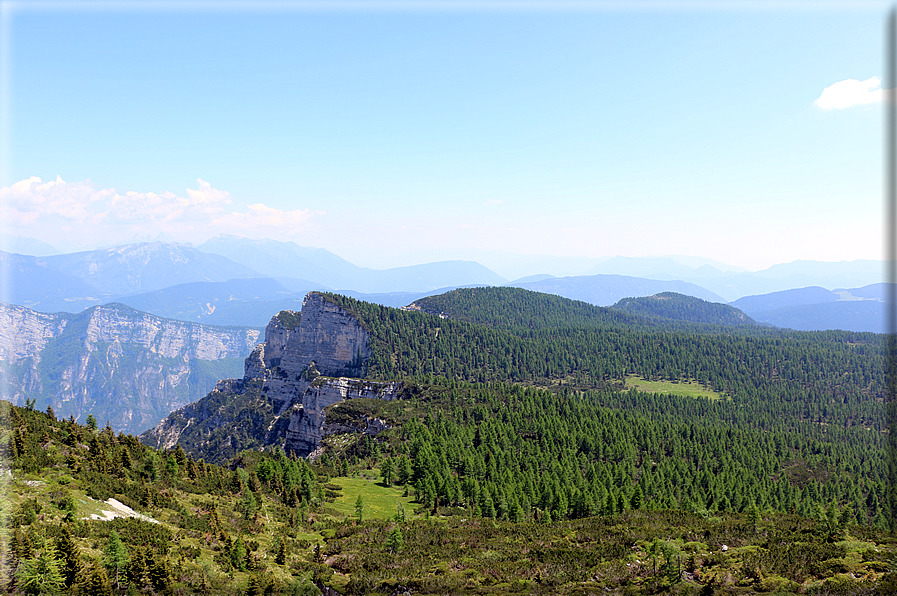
(307, 418)
(323, 340)
(24, 332)
(121, 365)
(288, 382)
(328, 336)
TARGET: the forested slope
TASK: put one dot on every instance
(512, 452)
(513, 335)
(677, 307)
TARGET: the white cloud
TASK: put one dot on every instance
(77, 215)
(849, 93)
(30, 200)
(494, 202)
(260, 217)
(199, 205)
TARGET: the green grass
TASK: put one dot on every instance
(379, 501)
(686, 388)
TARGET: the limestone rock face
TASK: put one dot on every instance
(328, 336)
(24, 332)
(277, 336)
(307, 421)
(121, 365)
(309, 361)
(327, 341)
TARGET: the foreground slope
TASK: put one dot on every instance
(515, 490)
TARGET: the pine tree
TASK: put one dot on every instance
(97, 582)
(160, 574)
(71, 558)
(238, 555)
(754, 517)
(394, 541)
(116, 559)
(621, 503)
(635, 502)
(42, 573)
(254, 586)
(280, 558)
(21, 545)
(387, 470)
(124, 458)
(359, 508)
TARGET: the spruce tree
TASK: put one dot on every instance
(116, 559)
(280, 557)
(71, 558)
(97, 582)
(42, 573)
(635, 502)
(394, 541)
(387, 469)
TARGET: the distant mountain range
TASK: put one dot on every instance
(733, 283)
(288, 259)
(72, 282)
(238, 281)
(816, 309)
(605, 290)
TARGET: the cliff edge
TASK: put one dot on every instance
(308, 361)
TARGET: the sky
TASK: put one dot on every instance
(399, 133)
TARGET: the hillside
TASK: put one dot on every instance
(676, 307)
(597, 348)
(771, 381)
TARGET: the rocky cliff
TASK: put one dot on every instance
(121, 365)
(306, 364)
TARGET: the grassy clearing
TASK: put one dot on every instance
(379, 501)
(686, 388)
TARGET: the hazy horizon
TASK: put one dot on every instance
(748, 136)
(511, 266)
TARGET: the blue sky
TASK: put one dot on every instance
(402, 134)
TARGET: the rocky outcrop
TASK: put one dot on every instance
(324, 340)
(308, 417)
(121, 365)
(328, 336)
(307, 363)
